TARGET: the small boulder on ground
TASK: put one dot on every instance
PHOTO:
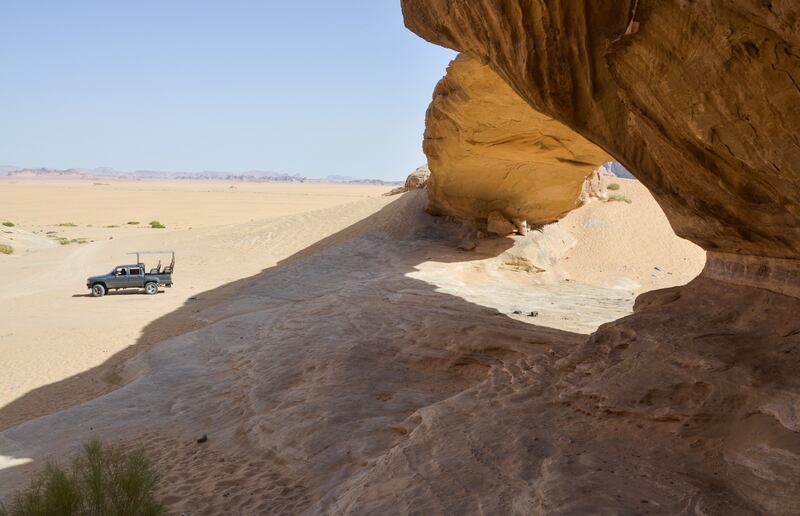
(417, 179)
(498, 224)
(521, 225)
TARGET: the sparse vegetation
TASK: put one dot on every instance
(67, 225)
(101, 480)
(156, 224)
(619, 198)
(63, 240)
(133, 222)
(113, 226)
(613, 186)
(6, 249)
(50, 233)
(8, 224)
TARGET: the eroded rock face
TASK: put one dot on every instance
(488, 151)
(701, 101)
(692, 400)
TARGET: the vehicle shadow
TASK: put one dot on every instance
(121, 293)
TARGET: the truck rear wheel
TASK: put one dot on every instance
(151, 288)
(98, 290)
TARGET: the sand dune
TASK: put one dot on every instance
(323, 382)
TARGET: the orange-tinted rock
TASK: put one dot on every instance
(489, 151)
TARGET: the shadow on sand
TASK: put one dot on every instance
(371, 259)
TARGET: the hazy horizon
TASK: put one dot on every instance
(106, 171)
(318, 90)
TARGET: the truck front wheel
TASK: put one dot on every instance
(151, 288)
(98, 290)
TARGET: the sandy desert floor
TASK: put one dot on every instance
(317, 337)
(50, 330)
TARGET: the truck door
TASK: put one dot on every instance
(119, 278)
(135, 277)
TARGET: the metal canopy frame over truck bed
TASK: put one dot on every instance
(165, 251)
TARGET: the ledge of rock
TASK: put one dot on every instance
(700, 101)
(492, 156)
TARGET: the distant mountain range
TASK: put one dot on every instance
(250, 175)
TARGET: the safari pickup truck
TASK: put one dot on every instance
(133, 276)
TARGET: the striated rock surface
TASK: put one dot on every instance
(488, 151)
(700, 101)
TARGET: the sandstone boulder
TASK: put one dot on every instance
(498, 224)
(415, 180)
(418, 178)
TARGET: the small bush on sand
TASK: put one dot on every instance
(613, 186)
(156, 224)
(133, 222)
(102, 480)
(6, 249)
(619, 198)
(67, 225)
(51, 233)
(8, 224)
(113, 226)
(63, 240)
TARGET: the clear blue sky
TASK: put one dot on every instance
(316, 87)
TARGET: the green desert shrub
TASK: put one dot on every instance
(67, 225)
(613, 186)
(156, 224)
(6, 249)
(102, 480)
(619, 198)
(133, 222)
(8, 224)
(112, 226)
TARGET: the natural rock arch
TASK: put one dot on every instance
(700, 100)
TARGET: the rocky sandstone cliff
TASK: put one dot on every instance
(690, 403)
(489, 151)
(701, 100)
